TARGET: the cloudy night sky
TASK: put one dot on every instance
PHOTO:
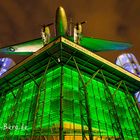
(117, 20)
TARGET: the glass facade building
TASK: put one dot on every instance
(67, 92)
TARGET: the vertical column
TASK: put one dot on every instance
(112, 107)
(61, 105)
(84, 105)
(14, 109)
(61, 134)
(38, 104)
(133, 109)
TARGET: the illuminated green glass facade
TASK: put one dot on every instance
(21, 111)
(64, 97)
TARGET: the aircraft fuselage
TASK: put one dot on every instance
(61, 22)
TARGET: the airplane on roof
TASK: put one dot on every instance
(61, 27)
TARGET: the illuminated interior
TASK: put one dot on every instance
(5, 65)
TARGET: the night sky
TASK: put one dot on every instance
(117, 20)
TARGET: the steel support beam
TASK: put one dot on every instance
(37, 99)
(14, 110)
(42, 114)
(31, 76)
(61, 134)
(89, 124)
(119, 84)
(10, 85)
(61, 131)
(93, 76)
(113, 110)
(133, 110)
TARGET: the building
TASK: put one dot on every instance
(129, 62)
(5, 64)
(64, 91)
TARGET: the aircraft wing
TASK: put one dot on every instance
(25, 48)
(98, 45)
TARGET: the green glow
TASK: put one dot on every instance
(101, 118)
(89, 43)
(96, 45)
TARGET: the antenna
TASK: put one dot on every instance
(70, 27)
(83, 22)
